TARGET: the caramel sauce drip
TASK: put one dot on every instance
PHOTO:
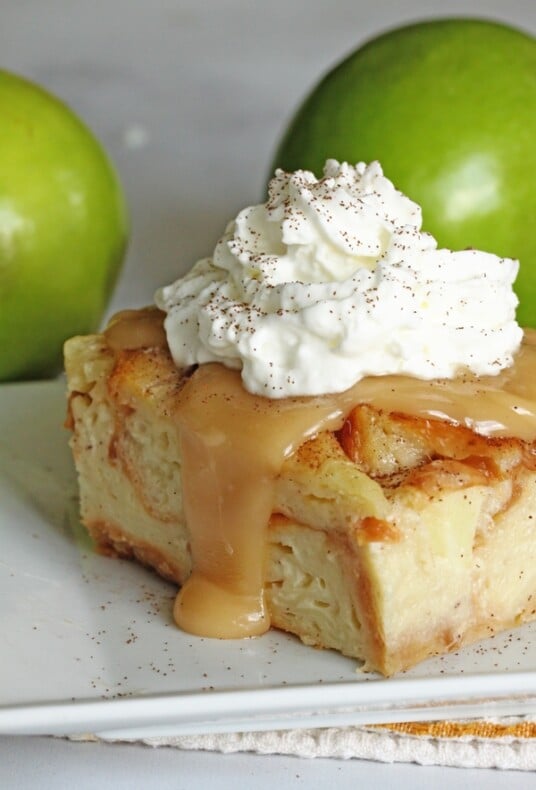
(132, 329)
(234, 444)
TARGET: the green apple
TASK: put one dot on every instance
(449, 109)
(63, 229)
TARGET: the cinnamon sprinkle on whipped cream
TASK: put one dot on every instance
(332, 280)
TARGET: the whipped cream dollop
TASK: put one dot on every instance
(331, 280)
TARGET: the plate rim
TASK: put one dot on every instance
(279, 707)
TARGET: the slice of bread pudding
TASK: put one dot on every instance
(396, 538)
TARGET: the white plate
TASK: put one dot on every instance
(88, 643)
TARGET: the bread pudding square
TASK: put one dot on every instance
(393, 539)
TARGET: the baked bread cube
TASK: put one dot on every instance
(396, 538)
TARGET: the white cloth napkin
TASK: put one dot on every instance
(517, 752)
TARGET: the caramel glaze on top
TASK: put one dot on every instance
(233, 445)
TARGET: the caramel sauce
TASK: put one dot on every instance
(131, 329)
(234, 444)
(502, 405)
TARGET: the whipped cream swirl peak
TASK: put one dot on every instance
(331, 280)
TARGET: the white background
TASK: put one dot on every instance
(189, 97)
